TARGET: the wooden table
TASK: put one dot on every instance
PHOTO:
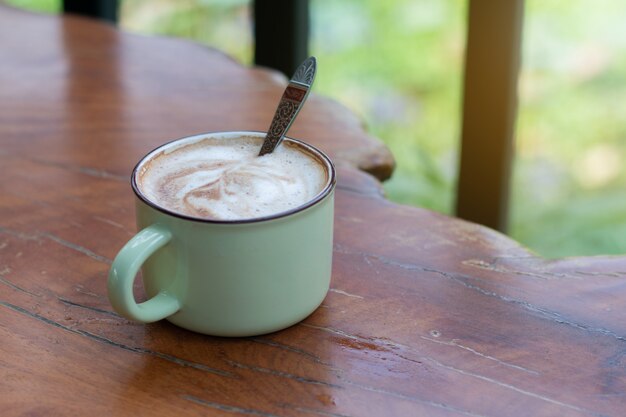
(427, 314)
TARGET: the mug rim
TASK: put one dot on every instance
(318, 154)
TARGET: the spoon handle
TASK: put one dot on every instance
(290, 104)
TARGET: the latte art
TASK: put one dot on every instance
(224, 179)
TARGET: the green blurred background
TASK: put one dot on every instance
(398, 64)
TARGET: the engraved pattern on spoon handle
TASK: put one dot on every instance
(285, 114)
(305, 73)
(293, 97)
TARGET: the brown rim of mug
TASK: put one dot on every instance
(319, 155)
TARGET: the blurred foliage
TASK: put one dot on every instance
(399, 65)
(41, 6)
(395, 64)
(570, 172)
(224, 24)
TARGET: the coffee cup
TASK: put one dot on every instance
(228, 252)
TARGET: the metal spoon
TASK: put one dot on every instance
(290, 104)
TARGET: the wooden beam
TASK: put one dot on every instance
(489, 110)
(281, 33)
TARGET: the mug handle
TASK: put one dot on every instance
(123, 272)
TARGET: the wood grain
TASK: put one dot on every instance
(427, 315)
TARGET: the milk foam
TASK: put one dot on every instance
(224, 179)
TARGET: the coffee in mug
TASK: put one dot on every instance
(230, 244)
(224, 178)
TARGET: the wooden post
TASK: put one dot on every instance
(281, 33)
(100, 9)
(489, 110)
